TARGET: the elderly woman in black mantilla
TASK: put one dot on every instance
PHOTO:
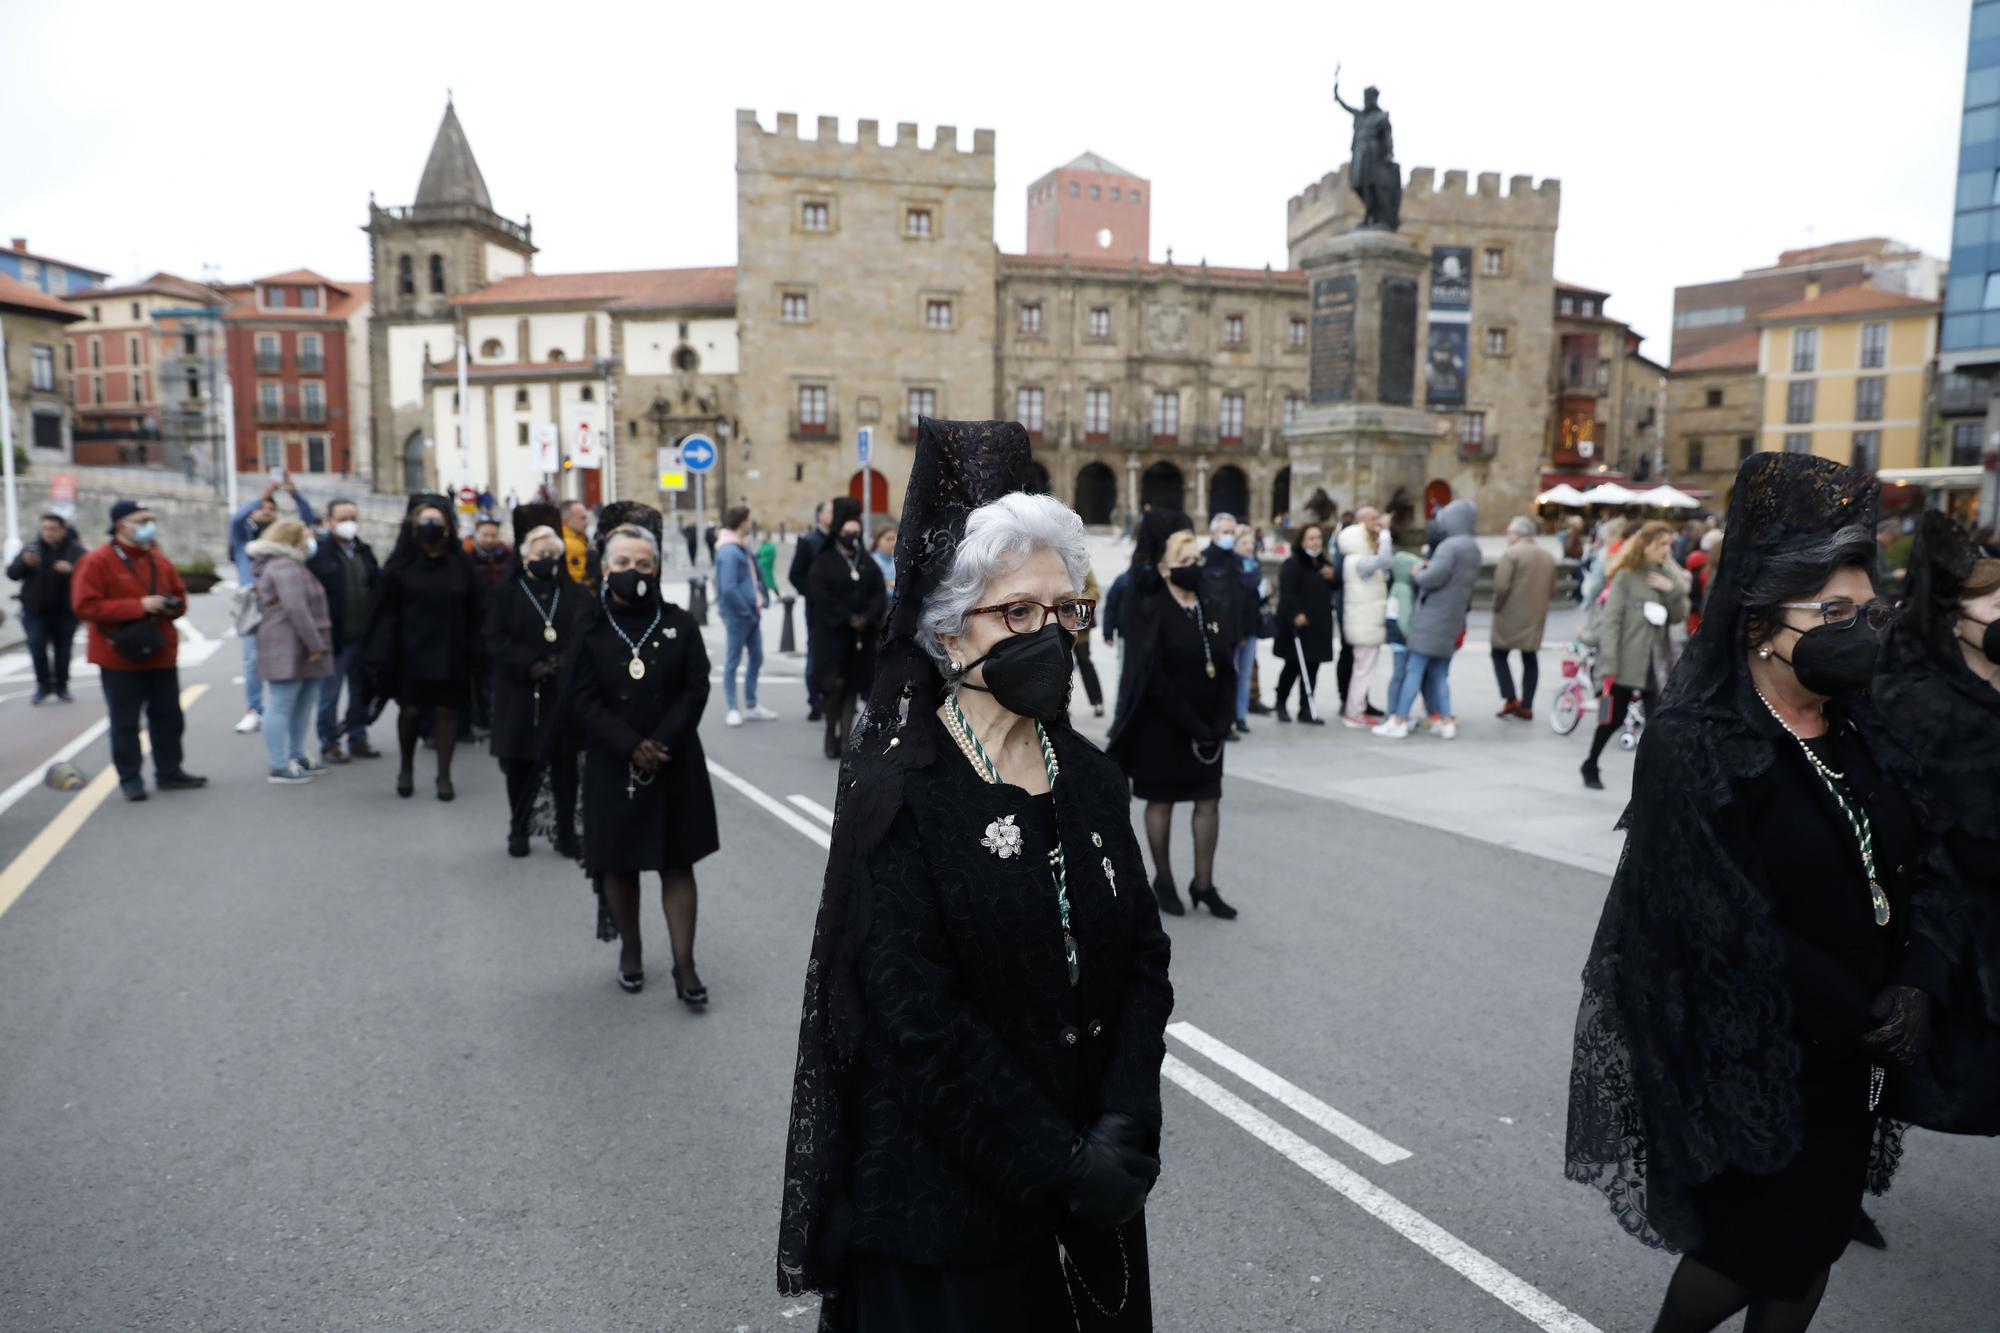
(846, 604)
(638, 684)
(976, 1103)
(1176, 704)
(1754, 985)
(424, 636)
(531, 619)
(1938, 694)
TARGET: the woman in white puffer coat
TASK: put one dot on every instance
(1366, 552)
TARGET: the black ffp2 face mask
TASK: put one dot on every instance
(632, 587)
(544, 567)
(1987, 643)
(1185, 577)
(1834, 660)
(1029, 674)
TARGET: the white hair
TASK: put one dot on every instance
(1216, 521)
(999, 538)
(1522, 527)
(536, 534)
(630, 532)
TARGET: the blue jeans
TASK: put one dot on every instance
(349, 665)
(288, 712)
(747, 633)
(1432, 675)
(253, 684)
(1246, 658)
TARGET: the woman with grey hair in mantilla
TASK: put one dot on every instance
(976, 1103)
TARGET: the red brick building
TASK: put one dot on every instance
(1091, 208)
(289, 362)
(116, 354)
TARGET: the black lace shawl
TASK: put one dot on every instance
(1946, 725)
(1684, 1065)
(959, 466)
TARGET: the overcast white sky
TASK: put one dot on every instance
(1692, 140)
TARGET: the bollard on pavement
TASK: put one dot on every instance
(788, 642)
(698, 599)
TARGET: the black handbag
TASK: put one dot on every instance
(142, 638)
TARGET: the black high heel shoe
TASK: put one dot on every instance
(695, 996)
(631, 982)
(1212, 900)
(1169, 896)
(405, 784)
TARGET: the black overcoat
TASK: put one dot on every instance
(424, 627)
(1141, 700)
(630, 825)
(514, 642)
(843, 657)
(1301, 589)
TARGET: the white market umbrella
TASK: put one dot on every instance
(1666, 497)
(1562, 493)
(1607, 493)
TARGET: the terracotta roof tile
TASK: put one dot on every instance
(1739, 353)
(163, 284)
(630, 288)
(1847, 301)
(18, 295)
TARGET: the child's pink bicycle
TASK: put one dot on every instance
(1577, 695)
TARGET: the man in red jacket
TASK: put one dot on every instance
(130, 595)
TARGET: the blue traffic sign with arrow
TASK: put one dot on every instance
(698, 453)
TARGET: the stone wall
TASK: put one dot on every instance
(1718, 429)
(866, 280)
(1512, 387)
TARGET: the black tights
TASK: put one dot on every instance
(444, 733)
(1307, 689)
(677, 898)
(1207, 829)
(523, 781)
(840, 705)
(1611, 711)
(1093, 689)
(1700, 1299)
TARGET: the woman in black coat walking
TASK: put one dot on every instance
(847, 604)
(976, 1099)
(423, 636)
(638, 685)
(1176, 705)
(531, 618)
(1306, 583)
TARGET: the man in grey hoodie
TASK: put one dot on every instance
(1444, 596)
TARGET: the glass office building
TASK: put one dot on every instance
(1971, 334)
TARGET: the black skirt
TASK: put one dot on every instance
(1164, 765)
(1102, 1286)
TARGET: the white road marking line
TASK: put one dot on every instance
(813, 808)
(772, 804)
(1522, 1297)
(1349, 1131)
(190, 631)
(70, 751)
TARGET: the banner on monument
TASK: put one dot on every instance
(1444, 365)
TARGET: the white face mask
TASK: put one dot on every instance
(347, 529)
(312, 546)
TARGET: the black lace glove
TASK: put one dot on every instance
(1108, 1176)
(1905, 1032)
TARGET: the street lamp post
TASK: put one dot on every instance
(723, 431)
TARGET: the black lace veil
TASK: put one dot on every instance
(1684, 1065)
(959, 466)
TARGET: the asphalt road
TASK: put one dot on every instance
(319, 1058)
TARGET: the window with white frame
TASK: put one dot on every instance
(42, 369)
(1295, 332)
(1166, 415)
(1229, 423)
(1566, 306)
(794, 308)
(1805, 350)
(1232, 330)
(1799, 401)
(313, 396)
(816, 215)
(917, 222)
(1031, 317)
(1100, 321)
(267, 351)
(1798, 442)
(1492, 260)
(937, 314)
(920, 403)
(1293, 406)
(270, 400)
(1496, 342)
(1874, 346)
(309, 300)
(311, 355)
(132, 349)
(1867, 451)
(1028, 408)
(1868, 398)
(271, 449)
(1472, 428)
(1097, 414)
(812, 406)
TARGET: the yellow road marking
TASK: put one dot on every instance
(35, 857)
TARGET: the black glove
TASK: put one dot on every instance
(1108, 1175)
(1905, 1033)
(542, 670)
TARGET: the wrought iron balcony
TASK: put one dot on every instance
(312, 365)
(825, 427)
(269, 363)
(1483, 448)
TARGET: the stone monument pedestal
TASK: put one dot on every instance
(1361, 437)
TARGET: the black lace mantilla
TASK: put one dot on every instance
(959, 466)
(1684, 1065)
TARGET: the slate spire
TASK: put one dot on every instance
(451, 176)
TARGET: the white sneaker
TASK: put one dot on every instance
(1392, 728)
(732, 718)
(759, 713)
(251, 721)
(1446, 730)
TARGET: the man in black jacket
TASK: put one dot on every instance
(346, 568)
(800, 576)
(1229, 590)
(42, 569)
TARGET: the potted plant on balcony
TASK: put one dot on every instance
(199, 574)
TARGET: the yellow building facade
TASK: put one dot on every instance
(1844, 376)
